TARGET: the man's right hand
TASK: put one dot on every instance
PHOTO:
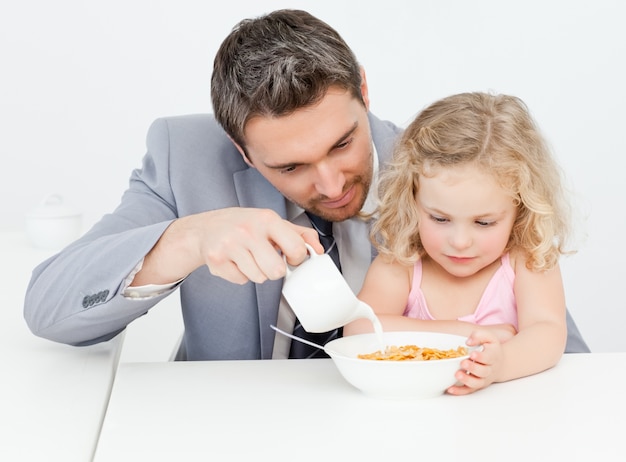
(237, 244)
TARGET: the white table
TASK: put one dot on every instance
(53, 396)
(247, 410)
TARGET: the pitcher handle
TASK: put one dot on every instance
(311, 252)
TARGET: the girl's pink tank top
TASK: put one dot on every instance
(496, 306)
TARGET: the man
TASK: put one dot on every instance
(217, 202)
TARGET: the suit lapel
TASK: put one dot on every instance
(253, 190)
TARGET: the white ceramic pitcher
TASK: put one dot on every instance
(320, 296)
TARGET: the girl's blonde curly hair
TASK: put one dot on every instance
(497, 134)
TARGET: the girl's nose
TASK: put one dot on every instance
(460, 238)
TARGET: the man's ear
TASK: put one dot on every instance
(242, 152)
(364, 89)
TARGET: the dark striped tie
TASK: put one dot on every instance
(298, 349)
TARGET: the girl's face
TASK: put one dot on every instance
(465, 218)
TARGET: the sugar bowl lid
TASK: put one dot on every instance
(53, 206)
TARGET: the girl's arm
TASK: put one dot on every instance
(386, 289)
(540, 342)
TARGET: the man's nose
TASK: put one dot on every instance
(330, 181)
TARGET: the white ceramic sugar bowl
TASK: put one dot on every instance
(53, 224)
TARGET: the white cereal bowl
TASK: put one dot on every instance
(396, 379)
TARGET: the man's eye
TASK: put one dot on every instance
(344, 144)
(289, 169)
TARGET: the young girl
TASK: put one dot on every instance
(471, 226)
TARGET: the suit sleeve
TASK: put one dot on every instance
(75, 297)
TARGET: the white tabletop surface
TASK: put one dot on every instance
(53, 396)
(304, 410)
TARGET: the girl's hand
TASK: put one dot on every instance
(480, 370)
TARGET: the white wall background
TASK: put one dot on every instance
(81, 82)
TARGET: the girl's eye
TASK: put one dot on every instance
(438, 219)
(484, 223)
